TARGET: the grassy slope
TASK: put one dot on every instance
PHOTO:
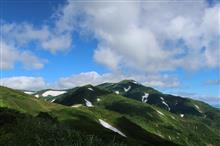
(19, 129)
(168, 126)
(177, 104)
(203, 127)
(81, 119)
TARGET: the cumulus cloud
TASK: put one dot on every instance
(139, 35)
(52, 37)
(163, 81)
(89, 78)
(213, 100)
(10, 55)
(150, 36)
(24, 83)
(107, 57)
(95, 78)
(47, 38)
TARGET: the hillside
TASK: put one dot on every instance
(170, 117)
(19, 110)
(175, 117)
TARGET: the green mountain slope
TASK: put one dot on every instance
(188, 121)
(33, 126)
(174, 104)
(80, 94)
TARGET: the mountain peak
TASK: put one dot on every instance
(128, 81)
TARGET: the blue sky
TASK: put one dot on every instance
(62, 44)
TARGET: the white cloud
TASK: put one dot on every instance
(162, 81)
(50, 39)
(30, 61)
(138, 32)
(10, 55)
(132, 35)
(88, 78)
(107, 57)
(59, 43)
(95, 78)
(213, 100)
(24, 83)
(21, 35)
(84, 78)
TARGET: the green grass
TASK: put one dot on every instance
(84, 120)
(22, 130)
(168, 126)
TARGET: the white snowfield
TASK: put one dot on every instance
(117, 92)
(37, 96)
(52, 93)
(53, 100)
(181, 115)
(198, 108)
(135, 82)
(145, 97)
(88, 103)
(162, 98)
(90, 89)
(108, 126)
(165, 103)
(29, 92)
(160, 113)
(127, 89)
(76, 105)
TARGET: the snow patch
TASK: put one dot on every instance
(135, 82)
(181, 115)
(197, 107)
(76, 105)
(127, 89)
(108, 126)
(88, 103)
(52, 93)
(90, 89)
(29, 92)
(117, 92)
(37, 96)
(165, 103)
(53, 100)
(162, 98)
(160, 112)
(145, 97)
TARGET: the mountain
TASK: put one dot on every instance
(176, 117)
(27, 120)
(132, 113)
(174, 104)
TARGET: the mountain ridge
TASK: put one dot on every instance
(146, 112)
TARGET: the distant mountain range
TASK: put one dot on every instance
(110, 114)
